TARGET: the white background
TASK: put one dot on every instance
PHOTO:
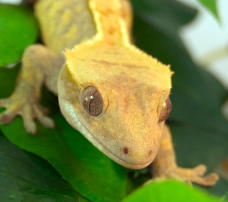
(206, 36)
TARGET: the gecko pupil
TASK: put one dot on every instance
(92, 101)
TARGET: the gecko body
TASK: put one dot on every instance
(116, 95)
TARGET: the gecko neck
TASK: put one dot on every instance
(109, 23)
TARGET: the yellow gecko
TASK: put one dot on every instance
(116, 95)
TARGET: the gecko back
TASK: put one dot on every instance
(64, 24)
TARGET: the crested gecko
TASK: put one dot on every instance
(116, 95)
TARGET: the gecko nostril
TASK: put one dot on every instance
(150, 152)
(125, 150)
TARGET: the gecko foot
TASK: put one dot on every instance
(194, 175)
(28, 109)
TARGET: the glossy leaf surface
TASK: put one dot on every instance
(18, 29)
(163, 191)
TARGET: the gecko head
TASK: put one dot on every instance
(120, 107)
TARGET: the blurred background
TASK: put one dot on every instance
(207, 40)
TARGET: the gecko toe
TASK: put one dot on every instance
(211, 179)
(191, 175)
(30, 126)
(47, 122)
(208, 180)
(29, 109)
(200, 170)
(6, 117)
(28, 119)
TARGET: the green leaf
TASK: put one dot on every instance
(211, 5)
(91, 173)
(18, 29)
(26, 176)
(163, 191)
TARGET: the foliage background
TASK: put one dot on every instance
(199, 130)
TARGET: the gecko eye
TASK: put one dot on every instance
(166, 109)
(92, 101)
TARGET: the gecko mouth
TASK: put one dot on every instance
(67, 109)
(112, 156)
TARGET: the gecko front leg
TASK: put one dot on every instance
(164, 165)
(39, 66)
